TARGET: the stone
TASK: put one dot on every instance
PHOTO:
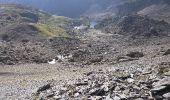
(76, 94)
(43, 88)
(167, 73)
(135, 54)
(163, 82)
(116, 98)
(122, 96)
(126, 91)
(97, 92)
(130, 80)
(167, 96)
(167, 52)
(89, 73)
(81, 83)
(106, 89)
(108, 98)
(117, 88)
(57, 97)
(159, 88)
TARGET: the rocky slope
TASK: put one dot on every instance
(157, 12)
(124, 58)
(135, 26)
(137, 51)
(27, 35)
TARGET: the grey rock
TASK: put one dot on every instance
(167, 52)
(159, 88)
(76, 94)
(57, 97)
(130, 80)
(43, 88)
(116, 98)
(97, 92)
(164, 82)
(167, 96)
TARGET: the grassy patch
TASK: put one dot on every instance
(51, 31)
(53, 26)
(48, 25)
(59, 21)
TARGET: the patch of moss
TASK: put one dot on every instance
(163, 70)
(53, 26)
(51, 31)
(59, 21)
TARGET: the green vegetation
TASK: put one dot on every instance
(59, 21)
(51, 31)
(53, 26)
(163, 70)
(48, 25)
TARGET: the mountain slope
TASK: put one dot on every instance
(31, 36)
(12, 16)
(157, 11)
(135, 26)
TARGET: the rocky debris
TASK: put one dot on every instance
(135, 26)
(20, 32)
(89, 54)
(161, 89)
(17, 53)
(52, 62)
(39, 51)
(103, 85)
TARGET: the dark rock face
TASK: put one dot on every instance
(135, 54)
(167, 52)
(43, 88)
(135, 26)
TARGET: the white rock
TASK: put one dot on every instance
(76, 94)
(52, 62)
(167, 96)
(122, 96)
(130, 80)
(105, 53)
(60, 57)
(131, 75)
(116, 98)
(108, 98)
(57, 97)
(64, 88)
